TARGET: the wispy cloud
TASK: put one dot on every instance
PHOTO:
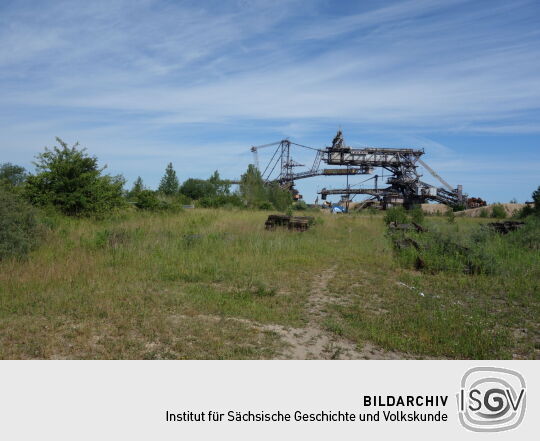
(171, 78)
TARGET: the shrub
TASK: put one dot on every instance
(138, 186)
(471, 251)
(300, 206)
(252, 187)
(528, 236)
(498, 212)
(197, 189)
(155, 201)
(181, 199)
(12, 175)
(417, 214)
(484, 212)
(265, 205)
(524, 212)
(70, 180)
(232, 200)
(255, 191)
(536, 200)
(279, 197)
(450, 216)
(396, 214)
(221, 187)
(19, 229)
(148, 200)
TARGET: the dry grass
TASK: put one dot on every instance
(145, 285)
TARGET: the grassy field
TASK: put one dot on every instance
(214, 284)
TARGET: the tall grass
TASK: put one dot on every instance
(164, 285)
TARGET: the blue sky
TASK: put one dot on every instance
(144, 82)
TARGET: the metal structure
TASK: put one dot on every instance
(402, 187)
(297, 223)
(285, 172)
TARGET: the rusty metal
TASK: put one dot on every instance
(476, 203)
(296, 223)
(506, 227)
(413, 226)
(403, 186)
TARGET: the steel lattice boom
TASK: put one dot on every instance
(404, 185)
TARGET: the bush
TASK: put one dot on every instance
(70, 180)
(536, 200)
(138, 186)
(197, 188)
(484, 212)
(12, 175)
(232, 200)
(257, 193)
(265, 205)
(300, 206)
(279, 197)
(181, 199)
(524, 212)
(19, 229)
(396, 214)
(147, 200)
(155, 201)
(477, 250)
(498, 212)
(529, 235)
(417, 214)
(252, 187)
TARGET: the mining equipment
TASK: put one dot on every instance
(403, 185)
(296, 223)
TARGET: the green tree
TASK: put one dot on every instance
(138, 186)
(536, 200)
(12, 175)
(221, 187)
(252, 187)
(169, 182)
(19, 229)
(396, 214)
(279, 197)
(197, 189)
(69, 179)
(148, 200)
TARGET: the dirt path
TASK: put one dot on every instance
(313, 342)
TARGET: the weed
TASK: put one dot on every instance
(498, 211)
(189, 285)
(396, 214)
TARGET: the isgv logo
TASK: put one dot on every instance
(491, 399)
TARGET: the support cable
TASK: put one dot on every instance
(269, 162)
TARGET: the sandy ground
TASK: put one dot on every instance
(313, 342)
(434, 208)
(472, 212)
(475, 212)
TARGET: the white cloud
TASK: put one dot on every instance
(165, 79)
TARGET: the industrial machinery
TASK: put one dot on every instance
(403, 186)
